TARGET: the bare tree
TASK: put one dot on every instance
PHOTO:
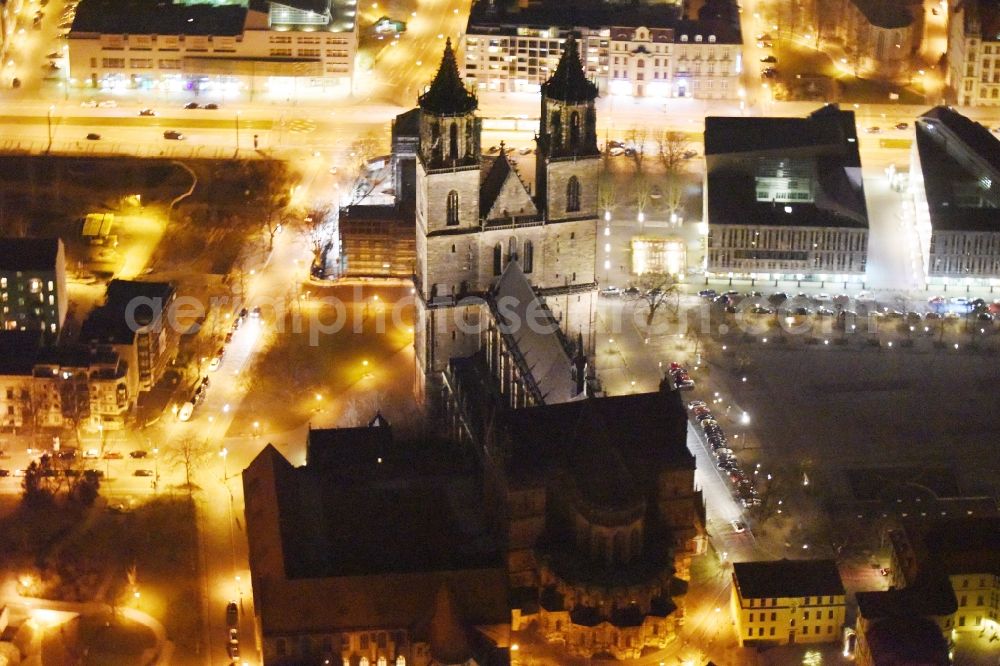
(673, 196)
(636, 139)
(673, 150)
(642, 190)
(655, 291)
(190, 453)
(607, 192)
(322, 225)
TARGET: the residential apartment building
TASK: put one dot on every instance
(83, 387)
(18, 350)
(974, 52)
(134, 320)
(33, 285)
(787, 601)
(641, 50)
(278, 48)
(784, 197)
(955, 184)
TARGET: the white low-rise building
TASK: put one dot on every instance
(266, 47)
(641, 50)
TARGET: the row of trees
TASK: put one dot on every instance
(663, 188)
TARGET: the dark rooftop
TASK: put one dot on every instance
(28, 254)
(788, 578)
(907, 640)
(447, 95)
(505, 16)
(569, 83)
(127, 302)
(828, 129)
(930, 594)
(153, 17)
(968, 545)
(957, 195)
(366, 504)
(826, 141)
(18, 351)
(888, 14)
(649, 433)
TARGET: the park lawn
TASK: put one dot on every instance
(293, 369)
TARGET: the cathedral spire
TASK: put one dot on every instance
(447, 95)
(569, 83)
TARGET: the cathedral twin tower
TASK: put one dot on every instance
(475, 216)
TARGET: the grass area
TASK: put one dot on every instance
(112, 640)
(303, 361)
(77, 559)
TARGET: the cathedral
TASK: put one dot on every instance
(500, 269)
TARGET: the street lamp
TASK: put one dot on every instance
(237, 118)
(224, 453)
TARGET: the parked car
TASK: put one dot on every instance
(185, 412)
(93, 136)
(147, 112)
(769, 59)
(212, 107)
(192, 105)
(708, 293)
(902, 126)
(874, 129)
(143, 472)
(112, 455)
(108, 104)
(173, 135)
(611, 291)
(738, 526)
(138, 454)
(232, 615)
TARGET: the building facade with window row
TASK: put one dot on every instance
(33, 285)
(784, 197)
(643, 51)
(955, 185)
(974, 52)
(266, 47)
(787, 601)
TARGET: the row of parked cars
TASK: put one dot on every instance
(725, 458)
(680, 378)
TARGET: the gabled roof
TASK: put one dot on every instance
(907, 640)
(503, 193)
(787, 579)
(18, 352)
(569, 83)
(28, 254)
(447, 95)
(533, 331)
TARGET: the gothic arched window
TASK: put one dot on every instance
(512, 249)
(529, 256)
(497, 258)
(453, 141)
(574, 130)
(452, 207)
(573, 195)
(470, 144)
(555, 126)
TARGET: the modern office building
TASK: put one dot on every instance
(645, 50)
(787, 601)
(955, 183)
(33, 285)
(974, 52)
(280, 49)
(134, 320)
(784, 197)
